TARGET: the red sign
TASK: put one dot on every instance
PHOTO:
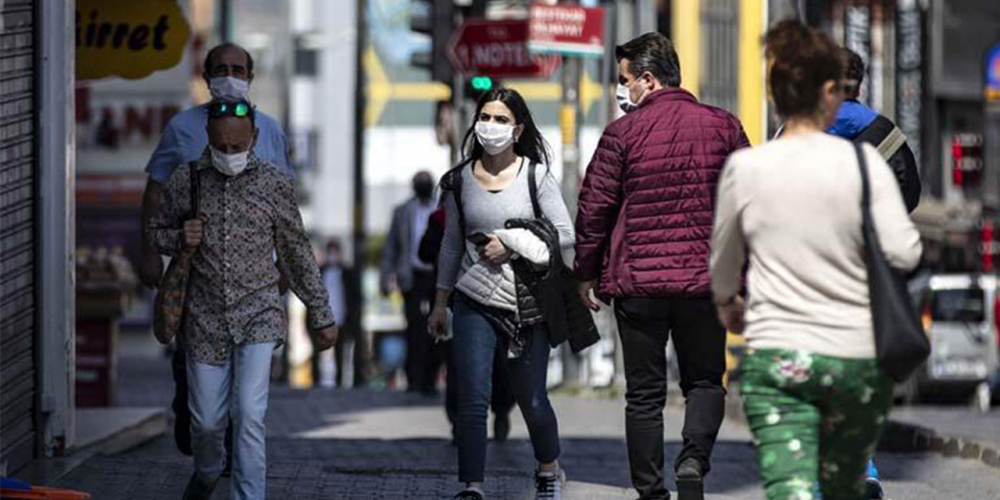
(566, 29)
(498, 49)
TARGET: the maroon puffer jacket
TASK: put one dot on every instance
(647, 201)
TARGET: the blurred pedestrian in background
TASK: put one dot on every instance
(487, 191)
(643, 232)
(228, 71)
(234, 317)
(501, 399)
(859, 123)
(813, 394)
(403, 270)
(345, 301)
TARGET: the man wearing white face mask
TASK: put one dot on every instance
(642, 239)
(228, 71)
(234, 318)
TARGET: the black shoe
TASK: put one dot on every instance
(501, 427)
(198, 489)
(873, 487)
(468, 495)
(689, 481)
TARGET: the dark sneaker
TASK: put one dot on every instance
(501, 426)
(689, 481)
(468, 495)
(198, 489)
(873, 487)
(549, 485)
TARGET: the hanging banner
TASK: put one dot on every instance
(127, 38)
(993, 74)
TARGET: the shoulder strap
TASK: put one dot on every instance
(195, 176)
(866, 201)
(455, 184)
(892, 142)
(533, 190)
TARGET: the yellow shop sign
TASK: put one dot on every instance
(128, 38)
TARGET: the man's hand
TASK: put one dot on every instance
(389, 286)
(150, 268)
(495, 251)
(731, 315)
(194, 231)
(585, 288)
(325, 338)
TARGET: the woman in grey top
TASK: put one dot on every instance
(476, 261)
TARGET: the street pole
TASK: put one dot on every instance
(569, 125)
(358, 243)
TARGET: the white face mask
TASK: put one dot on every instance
(624, 96)
(231, 165)
(228, 88)
(495, 137)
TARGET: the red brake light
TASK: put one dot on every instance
(926, 318)
(996, 316)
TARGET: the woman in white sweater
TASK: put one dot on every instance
(812, 391)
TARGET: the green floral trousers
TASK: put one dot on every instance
(815, 419)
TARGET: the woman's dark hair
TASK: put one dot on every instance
(803, 60)
(530, 144)
(654, 53)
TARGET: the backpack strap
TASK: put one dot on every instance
(892, 142)
(195, 195)
(533, 190)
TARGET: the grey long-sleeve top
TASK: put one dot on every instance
(459, 264)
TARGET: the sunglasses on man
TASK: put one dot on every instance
(238, 109)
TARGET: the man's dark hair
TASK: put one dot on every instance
(654, 53)
(215, 51)
(854, 72)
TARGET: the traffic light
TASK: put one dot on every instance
(435, 18)
(476, 86)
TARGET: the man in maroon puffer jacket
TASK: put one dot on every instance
(643, 231)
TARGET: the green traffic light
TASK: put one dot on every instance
(482, 83)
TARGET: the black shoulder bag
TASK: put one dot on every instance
(901, 345)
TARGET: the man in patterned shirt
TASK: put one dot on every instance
(234, 317)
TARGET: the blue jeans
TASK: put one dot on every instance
(475, 343)
(238, 389)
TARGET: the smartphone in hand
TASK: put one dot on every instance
(479, 239)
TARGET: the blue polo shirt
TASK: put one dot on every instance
(185, 138)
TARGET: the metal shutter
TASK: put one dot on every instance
(17, 233)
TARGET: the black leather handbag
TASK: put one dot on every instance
(901, 345)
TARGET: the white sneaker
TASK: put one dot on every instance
(549, 485)
(984, 397)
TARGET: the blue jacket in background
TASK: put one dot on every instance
(852, 118)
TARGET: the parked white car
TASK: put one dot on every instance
(959, 314)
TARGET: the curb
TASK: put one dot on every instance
(899, 437)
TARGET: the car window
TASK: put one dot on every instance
(966, 305)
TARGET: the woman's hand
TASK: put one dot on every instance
(495, 251)
(731, 314)
(436, 326)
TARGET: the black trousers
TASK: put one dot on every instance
(424, 358)
(645, 325)
(182, 413)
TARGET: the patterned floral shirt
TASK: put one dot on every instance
(233, 297)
